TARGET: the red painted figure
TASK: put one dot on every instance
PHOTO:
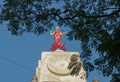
(57, 40)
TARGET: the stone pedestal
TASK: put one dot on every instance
(53, 68)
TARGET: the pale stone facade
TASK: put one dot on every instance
(53, 68)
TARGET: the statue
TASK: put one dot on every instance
(34, 79)
(57, 40)
(95, 79)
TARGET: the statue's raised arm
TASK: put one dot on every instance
(52, 33)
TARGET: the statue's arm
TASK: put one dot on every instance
(52, 33)
(63, 33)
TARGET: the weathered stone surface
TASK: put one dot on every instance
(53, 67)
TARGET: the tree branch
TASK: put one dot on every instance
(110, 8)
(66, 18)
(107, 15)
(99, 16)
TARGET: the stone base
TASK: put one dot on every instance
(53, 68)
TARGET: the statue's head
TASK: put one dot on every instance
(57, 28)
(95, 79)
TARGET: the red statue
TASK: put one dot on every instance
(57, 42)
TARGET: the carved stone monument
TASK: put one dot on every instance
(52, 67)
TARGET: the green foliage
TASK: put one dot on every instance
(116, 78)
(96, 23)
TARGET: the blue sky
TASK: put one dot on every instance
(26, 50)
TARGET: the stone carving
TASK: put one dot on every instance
(53, 68)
